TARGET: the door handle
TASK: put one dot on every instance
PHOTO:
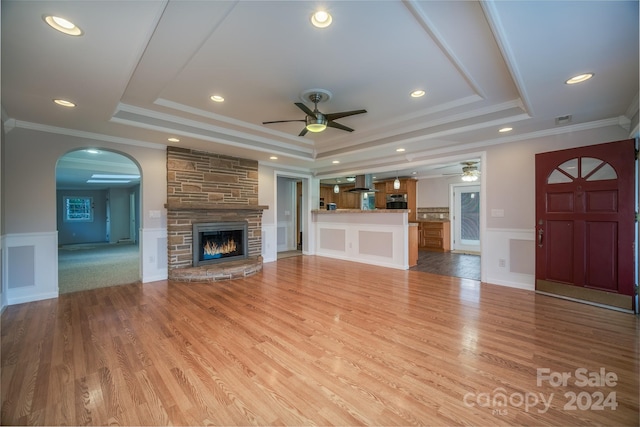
(540, 233)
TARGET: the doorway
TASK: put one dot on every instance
(466, 218)
(289, 217)
(98, 197)
(585, 228)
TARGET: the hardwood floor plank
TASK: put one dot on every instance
(313, 341)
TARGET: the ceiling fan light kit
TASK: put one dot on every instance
(469, 173)
(469, 177)
(315, 121)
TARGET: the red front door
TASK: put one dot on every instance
(585, 223)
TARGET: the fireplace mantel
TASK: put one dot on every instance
(186, 206)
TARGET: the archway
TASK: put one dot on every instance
(98, 218)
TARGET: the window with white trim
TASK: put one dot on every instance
(77, 209)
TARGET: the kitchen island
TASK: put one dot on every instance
(380, 236)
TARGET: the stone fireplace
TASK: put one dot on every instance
(205, 188)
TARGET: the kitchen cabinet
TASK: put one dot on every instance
(381, 196)
(413, 244)
(408, 187)
(435, 235)
(343, 199)
(403, 186)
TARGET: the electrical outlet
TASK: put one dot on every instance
(502, 263)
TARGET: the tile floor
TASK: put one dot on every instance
(449, 264)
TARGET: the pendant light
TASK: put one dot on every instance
(396, 182)
(336, 189)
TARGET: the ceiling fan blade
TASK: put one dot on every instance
(332, 124)
(305, 109)
(303, 132)
(334, 116)
(282, 121)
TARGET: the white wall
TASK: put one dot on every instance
(434, 192)
(30, 204)
(267, 195)
(29, 201)
(508, 185)
(119, 214)
(509, 182)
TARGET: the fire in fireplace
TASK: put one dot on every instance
(215, 242)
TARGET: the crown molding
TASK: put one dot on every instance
(87, 135)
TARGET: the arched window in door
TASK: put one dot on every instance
(587, 168)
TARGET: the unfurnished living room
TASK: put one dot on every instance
(380, 213)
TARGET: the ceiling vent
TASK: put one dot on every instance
(563, 120)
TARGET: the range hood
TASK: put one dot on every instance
(363, 184)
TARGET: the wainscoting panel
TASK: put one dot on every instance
(508, 257)
(22, 260)
(356, 240)
(31, 266)
(269, 243)
(153, 254)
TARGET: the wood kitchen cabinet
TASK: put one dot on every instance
(343, 199)
(403, 186)
(407, 186)
(435, 236)
(381, 195)
(413, 244)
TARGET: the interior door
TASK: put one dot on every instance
(466, 219)
(585, 223)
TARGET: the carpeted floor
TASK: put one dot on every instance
(88, 266)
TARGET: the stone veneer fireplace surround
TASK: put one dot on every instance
(208, 188)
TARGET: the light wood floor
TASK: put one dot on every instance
(314, 341)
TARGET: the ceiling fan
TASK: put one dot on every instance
(469, 173)
(315, 121)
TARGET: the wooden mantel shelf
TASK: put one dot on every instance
(213, 206)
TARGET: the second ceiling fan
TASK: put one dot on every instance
(315, 121)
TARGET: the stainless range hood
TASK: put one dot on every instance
(363, 184)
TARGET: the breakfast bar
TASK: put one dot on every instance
(380, 237)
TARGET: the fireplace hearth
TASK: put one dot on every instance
(216, 242)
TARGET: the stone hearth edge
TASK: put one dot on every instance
(230, 270)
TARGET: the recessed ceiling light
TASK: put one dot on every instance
(274, 157)
(321, 19)
(399, 150)
(62, 25)
(417, 93)
(414, 173)
(217, 98)
(335, 162)
(579, 78)
(173, 140)
(64, 103)
(507, 129)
